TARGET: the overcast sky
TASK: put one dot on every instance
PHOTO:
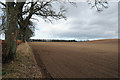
(82, 23)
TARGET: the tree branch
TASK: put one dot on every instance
(3, 4)
(98, 4)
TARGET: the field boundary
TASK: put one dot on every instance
(44, 71)
(24, 65)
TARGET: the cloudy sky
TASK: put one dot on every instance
(82, 23)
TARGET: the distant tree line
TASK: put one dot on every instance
(52, 40)
(83, 40)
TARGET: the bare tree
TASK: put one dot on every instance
(42, 9)
(15, 12)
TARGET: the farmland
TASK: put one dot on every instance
(96, 59)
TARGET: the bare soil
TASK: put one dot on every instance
(98, 59)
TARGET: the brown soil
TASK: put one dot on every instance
(78, 59)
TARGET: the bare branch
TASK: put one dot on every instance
(98, 4)
(3, 4)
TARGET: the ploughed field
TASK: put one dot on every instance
(96, 59)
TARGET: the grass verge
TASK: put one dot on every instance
(24, 65)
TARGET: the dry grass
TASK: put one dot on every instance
(24, 66)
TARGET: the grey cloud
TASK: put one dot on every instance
(86, 23)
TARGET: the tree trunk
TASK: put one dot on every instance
(24, 35)
(11, 33)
